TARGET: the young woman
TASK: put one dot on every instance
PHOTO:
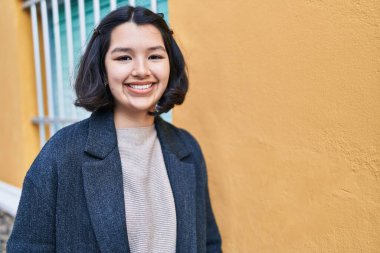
(123, 180)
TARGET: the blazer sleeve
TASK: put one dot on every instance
(213, 238)
(34, 226)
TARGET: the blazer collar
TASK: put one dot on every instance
(102, 137)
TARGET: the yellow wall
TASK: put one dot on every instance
(285, 101)
(19, 141)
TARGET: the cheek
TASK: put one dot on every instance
(162, 71)
(117, 73)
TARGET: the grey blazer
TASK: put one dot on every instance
(72, 198)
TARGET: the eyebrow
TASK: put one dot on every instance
(127, 49)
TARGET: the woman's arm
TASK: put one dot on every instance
(213, 238)
(34, 227)
(214, 241)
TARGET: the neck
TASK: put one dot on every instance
(124, 119)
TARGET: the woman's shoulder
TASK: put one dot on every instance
(63, 146)
(181, 135)
(68, 138)
(74, 132)
(172, 129)
(64, 140)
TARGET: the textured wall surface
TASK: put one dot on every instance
(19, 141)
(285, 101)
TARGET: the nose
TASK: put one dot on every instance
(140, 68)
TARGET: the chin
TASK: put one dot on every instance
(141, 108)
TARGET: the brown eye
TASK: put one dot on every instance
(156, 57)
(124, 58)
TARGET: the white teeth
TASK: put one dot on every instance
(140, 87)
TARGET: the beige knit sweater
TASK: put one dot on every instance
(149, 203)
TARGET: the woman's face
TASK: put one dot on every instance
(137, 67)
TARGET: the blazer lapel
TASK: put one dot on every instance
(103, 185)
(182, 179)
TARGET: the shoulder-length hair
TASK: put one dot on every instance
(93, 94)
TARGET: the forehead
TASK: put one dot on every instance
(131, 35)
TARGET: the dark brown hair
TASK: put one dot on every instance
(89, 86)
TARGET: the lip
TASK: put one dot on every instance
(140, 92)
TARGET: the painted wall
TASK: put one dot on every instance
(19, 141)
(285, 101)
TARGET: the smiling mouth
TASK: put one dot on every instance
(140, 86)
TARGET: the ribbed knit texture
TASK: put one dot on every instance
(149, 202)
